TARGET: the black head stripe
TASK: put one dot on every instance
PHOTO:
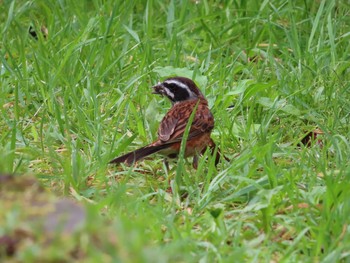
(180, 89)
(179, 92)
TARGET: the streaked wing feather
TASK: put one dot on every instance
(167, 128)
(174, 123)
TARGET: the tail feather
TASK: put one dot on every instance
(139, 154)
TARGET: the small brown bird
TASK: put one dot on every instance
(185, 96)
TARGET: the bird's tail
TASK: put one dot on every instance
(139, 154)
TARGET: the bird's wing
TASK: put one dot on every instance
(174, 123)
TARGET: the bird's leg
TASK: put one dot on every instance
(166, 165)
(214, 149)
(195, 161)
(167, 169)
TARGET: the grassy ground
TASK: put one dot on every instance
(272, 71)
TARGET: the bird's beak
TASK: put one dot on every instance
(158, 89)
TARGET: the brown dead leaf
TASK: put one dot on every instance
(312, 138)
(43, 30)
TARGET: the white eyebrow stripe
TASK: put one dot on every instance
(180, 84)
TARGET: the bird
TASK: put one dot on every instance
(185, 97)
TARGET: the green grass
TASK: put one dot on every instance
(75, 100)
